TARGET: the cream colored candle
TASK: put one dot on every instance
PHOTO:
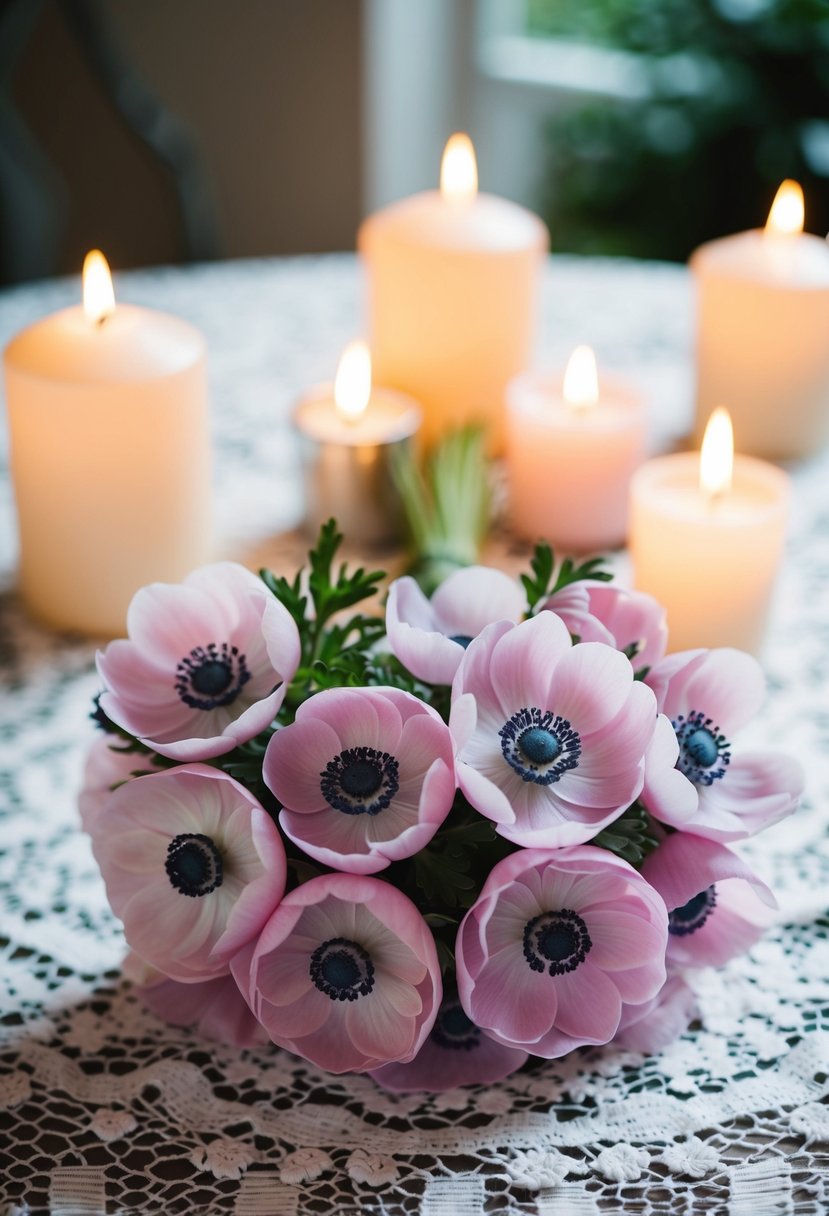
(707, 539)
(452, 284)
(763, 333)
(350, 430)
(571, 449)
(110, 456)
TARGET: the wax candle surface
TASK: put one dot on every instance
(110, 460)
(711, 562)
(452, 287)
(569, 468)
(763, 339)
(350, 429)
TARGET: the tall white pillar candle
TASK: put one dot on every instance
(707, 541)
(110, 457)
(571, 449)
(763, 333)
(452, 286)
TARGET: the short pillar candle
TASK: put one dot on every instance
(572, 447)
(707, 541)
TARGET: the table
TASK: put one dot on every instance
(105, 1109)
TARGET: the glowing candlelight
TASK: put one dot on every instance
(716, 459)
(352, 384)
(459, 170)
(581, 380)
(98, 296)
(787, 211)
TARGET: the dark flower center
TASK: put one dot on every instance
(194, 864)
(454, 1030)
(211, 676)
(694, 914)
(342, 969)
(463, 639)
(556, 942)
(704, 753)
(540, 745)
(360, 781)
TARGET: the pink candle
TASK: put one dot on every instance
(571, 451)
(706, 538)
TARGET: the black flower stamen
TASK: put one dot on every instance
(342, 969)
(704, 753)
(211, 676)
(540, 745)
(360, 781)
(694, 914)
(194, 864)
(454, 1030)
(556, 942)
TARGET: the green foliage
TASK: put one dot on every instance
(335, 652)
(540, 584)
(735, 99)
(446, 503)
(631, 837)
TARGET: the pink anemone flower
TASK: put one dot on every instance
(717, 907)
(551, 737)
(366, 776)
(206, 664)
(430, 636)
(455, 1053)
(344, 974)
(627, 620)
(708, 695)
(193, 866)
(216, 1008)
(653, 1026)
(107, 765)
(558, 943)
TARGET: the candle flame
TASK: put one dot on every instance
(98, 296)
(459, 169)
(716, 459)
(352, 387)
(581, 380)
(786, 215)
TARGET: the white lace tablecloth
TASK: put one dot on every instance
(103, 1108)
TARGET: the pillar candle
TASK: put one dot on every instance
(571, 449)
(452, 286)
(108, 425)
(707, 542)
(350, 430)
(763, 333)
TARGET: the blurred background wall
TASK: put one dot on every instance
(170, 131)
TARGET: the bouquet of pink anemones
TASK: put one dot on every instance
(429, 843)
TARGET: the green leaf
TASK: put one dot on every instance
(632, 836)
(447, 504)
(540, 584)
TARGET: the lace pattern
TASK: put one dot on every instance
(103, 1108)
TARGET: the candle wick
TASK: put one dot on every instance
(99, 321)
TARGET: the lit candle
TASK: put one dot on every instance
(706, 539)
(763, 333)
(571, 451)
(110, 455)
(350, 430)
(453, 279)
